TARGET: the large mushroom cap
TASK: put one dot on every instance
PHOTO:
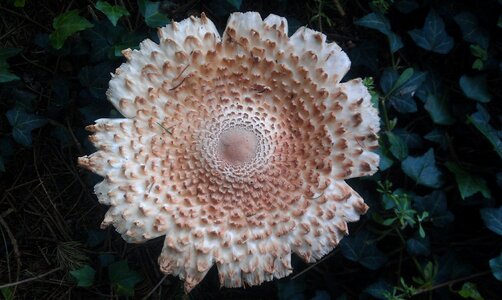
(234, 148)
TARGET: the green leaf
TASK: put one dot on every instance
(423, 169)
(403, 78)
(496, 266)
(480, 120)
(433, 36)
(291, 289)
(84, 276)
(435, 205)
(5, 74)
(65, 25)
(439, 110)
(478, 52)
(475, 87)
(471, 32)
(399, 89)
(470, 291)
(96, 78)
(385, 161)
(468, 185)
(380, 23)
(418, 246)
(358, 248)
(378, 289)
(123, 278)
(375, 21)
(493, 219)
(22, 124)
(7, 293)
(398, 147)
(150, 11)
(235, 3)
(406, 6)
(438, 136)
(112, 12)
(19, 3)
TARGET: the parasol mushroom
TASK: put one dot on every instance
(234, 148)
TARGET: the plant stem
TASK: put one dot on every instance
(29, 279)
(437, 286)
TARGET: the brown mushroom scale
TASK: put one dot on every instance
(236, 149)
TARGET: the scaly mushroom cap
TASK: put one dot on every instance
(234, 148)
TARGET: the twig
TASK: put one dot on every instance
(339, 7)
(154, 288)
(14, 246)
(312, 266)
(29, 279)
(25, 17)
(437, 286)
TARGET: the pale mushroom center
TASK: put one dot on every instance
(238, 146)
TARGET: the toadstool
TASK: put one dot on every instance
(234, 148)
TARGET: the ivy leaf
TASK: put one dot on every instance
(365, 54)
(378, 289)
(439, 110)
(438, 136)
(423, 169)
(418, 246)
(153, 16)
(480, 120)
(106, 259)
(380, 23)
(385, 161)
(291, 289)
(470, 291)
(432, 36)
(123, 278)
(235, 3)
(112, 12)
(128, 40)
(471, 32)
(5, 74)
(432, 85)
(493, 219)
(412, 140)
(84, 276)
(65, 25)
(435, 204)
(398, 147)
(358, 248)
(22, 124)
(7, 293)
(468, 185)
(96, 78)
(406, 6)
(375, 21)
(496, 266)
(475, 87)
(19, 3)
(400, 89)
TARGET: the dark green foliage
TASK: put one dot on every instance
(84, 276)
(433, 36)
(433, 69)
(423, 169)
(112, 12)
(360, 248)
(493, 219)
(5, 74)
(123, 278)
(65, 25)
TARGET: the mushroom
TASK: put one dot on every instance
(234, 148)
